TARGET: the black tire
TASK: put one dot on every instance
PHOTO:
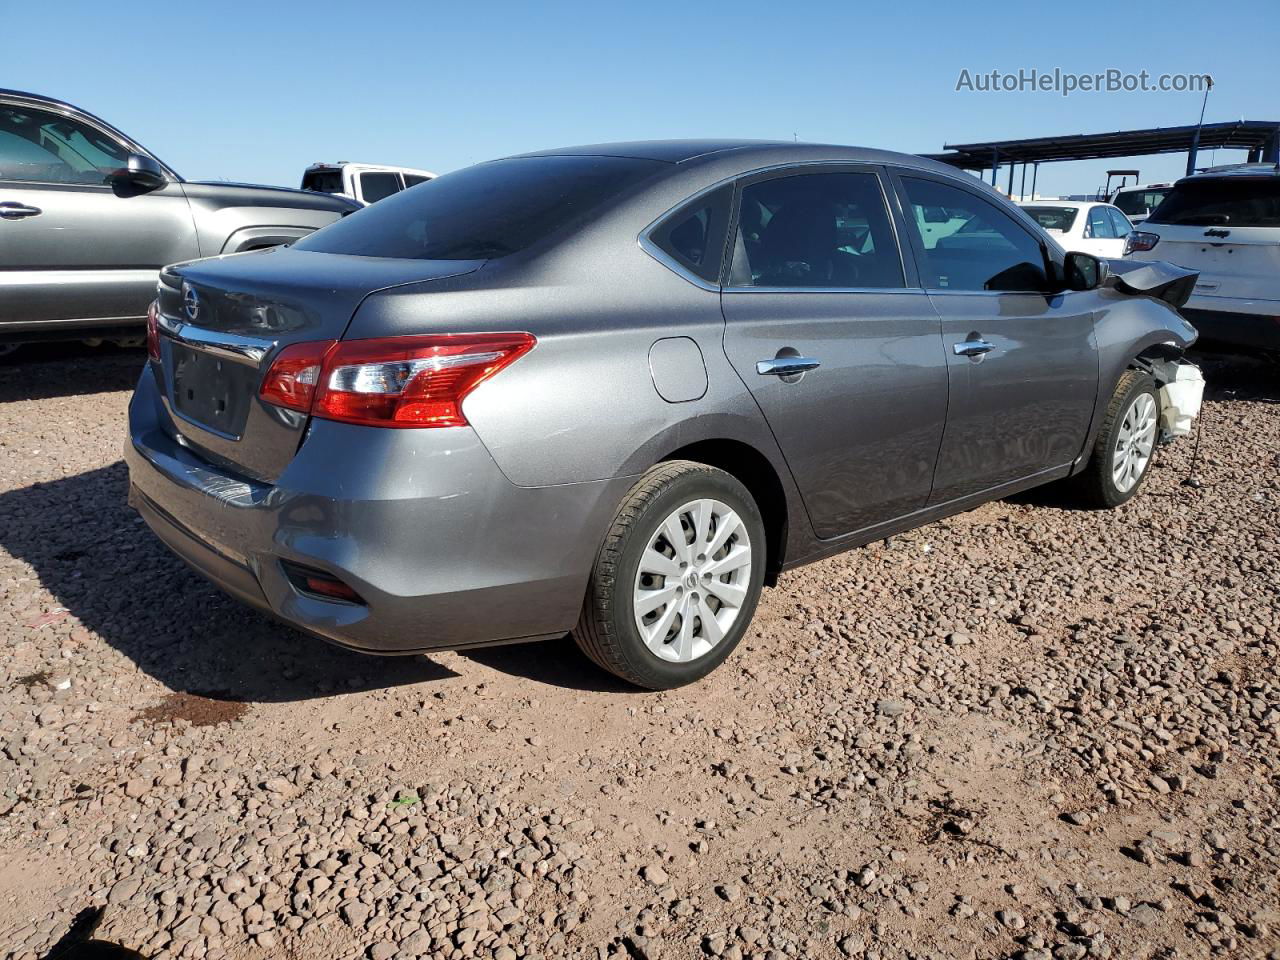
(606, 630)
(1096, 484)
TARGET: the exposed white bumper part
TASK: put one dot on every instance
(1181, 391)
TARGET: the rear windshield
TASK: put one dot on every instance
(323, 181)
(1225, 201)
(1053, 218)
(1137, 203)
(483, 212)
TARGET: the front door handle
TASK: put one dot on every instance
(10, 210)
(972, 348)
(786, 366)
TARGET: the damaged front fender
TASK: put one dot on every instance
(1152, 278)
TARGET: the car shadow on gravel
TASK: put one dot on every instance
(1237, 376)
(40, 371)
(556, 663)
(105, 569)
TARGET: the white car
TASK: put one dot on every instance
(364, 183)
(1096, 228)
(1225, 223)
(1137, 203)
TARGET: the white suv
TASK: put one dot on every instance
(1225, 223)
(1136, 203)
(364, 183)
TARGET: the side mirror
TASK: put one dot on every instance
(142, 174)
(1083, 271)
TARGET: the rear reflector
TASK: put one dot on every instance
(417, 381)
(319, 583)
(153, 330)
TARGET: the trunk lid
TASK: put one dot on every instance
(224, 320)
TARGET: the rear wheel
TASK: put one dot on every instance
(1125, 447)
(677, 579)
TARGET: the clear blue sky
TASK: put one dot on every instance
(256, 91)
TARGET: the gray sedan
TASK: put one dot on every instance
(615, 390)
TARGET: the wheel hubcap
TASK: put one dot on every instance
(1134, 443)
(693, 578)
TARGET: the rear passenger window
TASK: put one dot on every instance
(1119, 222)
(378, 186)
(1100, 227)
(693, 236)
(976, 246)
(815, 230)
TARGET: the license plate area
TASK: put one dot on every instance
(211, 391)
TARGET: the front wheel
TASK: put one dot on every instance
(1125, 447)
(677, 579)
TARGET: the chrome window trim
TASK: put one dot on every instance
(241, 349)
(647, 244)
(89, 120)
(888, 290)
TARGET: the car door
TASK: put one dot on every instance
(1021, 362)
(1120, 223)
(1101, 236)
(74, 250)
(840, 348)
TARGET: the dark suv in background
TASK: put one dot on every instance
(88, 217)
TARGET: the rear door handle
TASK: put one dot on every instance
(786, 366)
(972, 348)
(10, 210)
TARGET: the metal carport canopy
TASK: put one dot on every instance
(1260, 137)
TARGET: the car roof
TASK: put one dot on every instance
(1237, 170)
(785, 151)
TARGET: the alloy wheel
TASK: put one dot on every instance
(1135, 440)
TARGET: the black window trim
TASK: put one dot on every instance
(650, 246)
(910, 280)
(896, 175)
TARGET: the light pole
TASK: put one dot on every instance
(1195, 139)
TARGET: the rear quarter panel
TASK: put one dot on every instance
(582, 405)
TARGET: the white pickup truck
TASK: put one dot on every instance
(365, 183)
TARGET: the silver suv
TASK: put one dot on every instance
(88, 217)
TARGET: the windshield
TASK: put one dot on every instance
(483, 212)
(1222, 201)
(1053, 218)
(1138, 203)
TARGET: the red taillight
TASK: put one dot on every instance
(1140, 241)
(291, 381)
(391, 382)
(153, 330)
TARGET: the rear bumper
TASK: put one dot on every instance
(1234, 322)
(444, 550)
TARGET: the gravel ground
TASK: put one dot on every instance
(1027, 731)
